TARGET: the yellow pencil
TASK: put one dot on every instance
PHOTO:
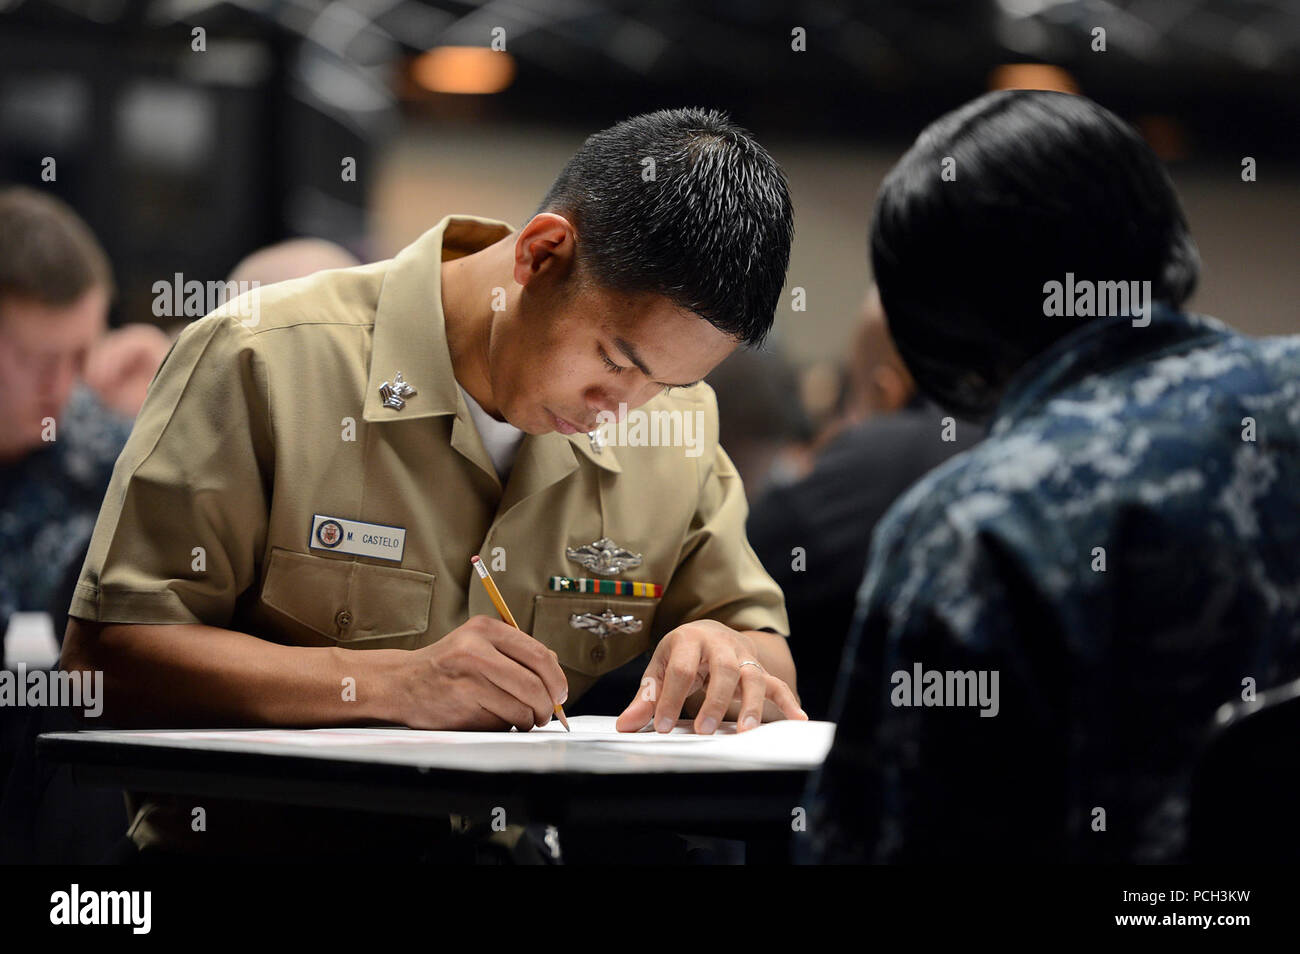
(490, 585)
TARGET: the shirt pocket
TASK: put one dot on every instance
(346, 601)
(586, 650)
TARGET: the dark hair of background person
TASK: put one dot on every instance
(1045, 183)
(47, 254)
(710, 230)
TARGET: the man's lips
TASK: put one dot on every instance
(564, 426)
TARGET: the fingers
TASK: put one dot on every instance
(675, 673)
(520, 682)
(531, 654)
(641, 709)
(724, 675)
(681, 678)
(506, 707)
(784, 698)
(753, 690)
(512, 662)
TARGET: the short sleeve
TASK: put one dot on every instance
(718, 575)
(185, 515)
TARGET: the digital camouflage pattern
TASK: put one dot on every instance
(1124, 549)
(50, 500)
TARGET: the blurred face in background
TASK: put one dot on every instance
(879, 382)
(43, 350)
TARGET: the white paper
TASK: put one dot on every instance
(779, 743)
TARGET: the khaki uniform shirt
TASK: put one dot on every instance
(264, 433)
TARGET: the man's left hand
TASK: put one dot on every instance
(724, 663)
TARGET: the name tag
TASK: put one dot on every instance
(353, 536)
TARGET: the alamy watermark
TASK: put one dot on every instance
(78, 689)
(640, 428)
(132, 909)
(1089, 299)
(947, 687)
(179, 298)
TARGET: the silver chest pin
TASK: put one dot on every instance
(604, 556)
(605, 624)
(394, 394)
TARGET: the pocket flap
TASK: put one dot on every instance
(345, 600)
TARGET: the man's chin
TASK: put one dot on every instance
(534, 427)
(16, 446)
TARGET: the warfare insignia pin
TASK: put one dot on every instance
(604, 557)
(605, 624)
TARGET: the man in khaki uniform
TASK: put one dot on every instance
(317, 462)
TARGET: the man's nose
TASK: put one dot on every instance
(601, 400)
(56, 381)
(633, 395)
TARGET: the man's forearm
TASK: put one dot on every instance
(185, 675)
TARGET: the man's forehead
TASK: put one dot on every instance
(42, 327)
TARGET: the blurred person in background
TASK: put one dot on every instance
(58, 439)
(46, 816)
(1061, 609)
(292, 258)
(123, 362)
(812, 535)
(764, 428)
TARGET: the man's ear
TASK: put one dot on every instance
(545, 245)
(889, 389)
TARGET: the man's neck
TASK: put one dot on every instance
(467, 285)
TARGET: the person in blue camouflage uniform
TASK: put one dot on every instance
(1123, 550)
(58, 440)
(48, 503)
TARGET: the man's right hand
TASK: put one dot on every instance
(484, 675)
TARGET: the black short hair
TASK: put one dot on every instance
(1045, 183)
(708, 226)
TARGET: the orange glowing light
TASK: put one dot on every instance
(464, 69)
(1032, 76)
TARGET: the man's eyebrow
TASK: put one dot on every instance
(630, 352)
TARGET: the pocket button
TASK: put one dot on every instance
(344, 618)
(597, 654)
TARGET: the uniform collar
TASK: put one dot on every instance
(606, 459)
(410, 328)
(1097, 347)
(411, 336)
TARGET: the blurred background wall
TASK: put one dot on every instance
(190, 132)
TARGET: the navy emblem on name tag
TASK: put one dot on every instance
(353, 536)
